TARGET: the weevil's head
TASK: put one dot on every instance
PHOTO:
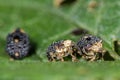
(90, 43)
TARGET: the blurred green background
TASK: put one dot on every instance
(46, 21)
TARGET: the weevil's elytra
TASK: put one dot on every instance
(91, 47)
(18, 44)
(58, 50)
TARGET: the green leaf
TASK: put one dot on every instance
(102, 19)
(35, 70)
(38, 19)
(45, 23)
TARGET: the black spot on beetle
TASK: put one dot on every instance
(90, 47)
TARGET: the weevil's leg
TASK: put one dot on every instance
(84, 51)
(49, 59)
(79, 52)
(74, 59)
(11, 59)
(102, 57)
(53, 59)
(62, 59)
(70, 50)
(103, 53)
(84, 57)
(93, 58)
(73, 56)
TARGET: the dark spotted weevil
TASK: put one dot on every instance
(60, 49)
(18, 44)
(90, 47)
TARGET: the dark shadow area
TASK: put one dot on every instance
(33, 47)
(67, 2)
(117, 47)
(69, 58)
(107, 57)
(78, 56)
(79, 31)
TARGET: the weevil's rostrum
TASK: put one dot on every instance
(18, 44)
(59, 50)
(90, 47)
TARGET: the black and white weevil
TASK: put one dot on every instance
(18, 44)
(90, 47)
(60, 49)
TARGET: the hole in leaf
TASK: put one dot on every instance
(79, 31)
(59, 3)
(68, 2)
(117, 47)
